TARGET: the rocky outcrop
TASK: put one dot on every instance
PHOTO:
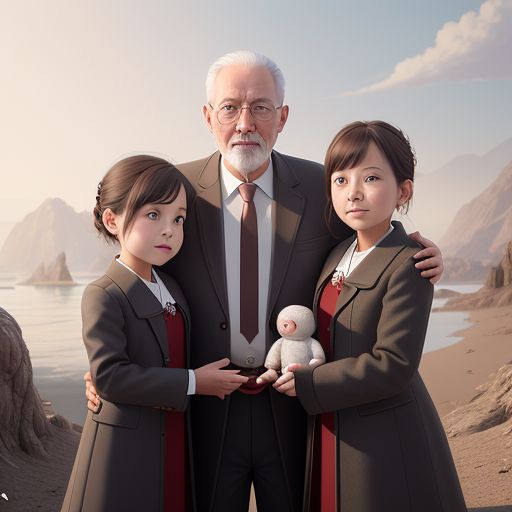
(501, 275)
(444, 293)
(491, 407)
(55, 273)
(497, 291)
(22, 419)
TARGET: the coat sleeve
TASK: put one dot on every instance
(116, 377)
(388, 368)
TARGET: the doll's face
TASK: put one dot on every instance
(286, 327)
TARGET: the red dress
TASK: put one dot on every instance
(176, 485)
(323, 489)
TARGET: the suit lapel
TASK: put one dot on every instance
(288, 207)
(144, 303)
(210, 226)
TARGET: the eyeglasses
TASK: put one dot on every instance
(229, 113)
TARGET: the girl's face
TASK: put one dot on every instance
(364, 197)
(155, 235)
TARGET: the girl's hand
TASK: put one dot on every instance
(286, 383)
(269, 376)
(432, 259)
(211, 380)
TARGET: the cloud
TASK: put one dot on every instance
(477, 47)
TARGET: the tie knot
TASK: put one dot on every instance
(247, 191)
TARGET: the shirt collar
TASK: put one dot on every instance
(230, 183)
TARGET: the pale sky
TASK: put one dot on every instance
(86, 83)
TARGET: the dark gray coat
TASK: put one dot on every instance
(392, 453)
(119, 464)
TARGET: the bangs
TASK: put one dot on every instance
(158, 184)
(348, 149)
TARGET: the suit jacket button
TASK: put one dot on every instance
(223, 326)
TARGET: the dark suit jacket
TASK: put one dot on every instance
(300, 244)
(119, 464)
(392, 450)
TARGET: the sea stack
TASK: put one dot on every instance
(56, 273)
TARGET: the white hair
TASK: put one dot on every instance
(249, 59)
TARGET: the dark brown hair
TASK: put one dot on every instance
(133, 182)
(350, 145)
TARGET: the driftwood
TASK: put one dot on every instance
(22, 419)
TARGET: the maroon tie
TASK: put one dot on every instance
(248, 263)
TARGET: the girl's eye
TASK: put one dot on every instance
(152, 215)
(372, 178)
(339, 180)
(179, 219)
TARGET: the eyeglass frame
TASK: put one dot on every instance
(235, 120)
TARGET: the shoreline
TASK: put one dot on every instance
(453, 376)
(453, 373)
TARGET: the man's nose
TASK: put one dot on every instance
(245, 123)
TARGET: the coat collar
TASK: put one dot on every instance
(142, 300)
(367, 273)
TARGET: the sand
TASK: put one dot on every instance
(452, 375)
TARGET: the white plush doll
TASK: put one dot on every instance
(295, 324)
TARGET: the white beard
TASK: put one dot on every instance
(246, 161)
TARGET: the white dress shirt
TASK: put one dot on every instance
(249, 355)
(163, 296)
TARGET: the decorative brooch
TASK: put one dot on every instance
(338, 279)
(170, 309)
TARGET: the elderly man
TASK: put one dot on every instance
(256, 240)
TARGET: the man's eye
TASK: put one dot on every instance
(261, 108)
(228, 108)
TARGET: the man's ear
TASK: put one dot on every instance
(111, 221)
(207, 113)
(283, 117)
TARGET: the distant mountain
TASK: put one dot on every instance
(53, 228)
(439, 195)
(482, 228)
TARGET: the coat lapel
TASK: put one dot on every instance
(144, 303)
(210, 226)
(288, 207)
(370, 269)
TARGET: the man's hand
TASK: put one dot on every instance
(432, 266)
(93, 399)
(286, 383)
(211, 380)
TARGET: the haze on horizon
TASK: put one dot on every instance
(84, 84)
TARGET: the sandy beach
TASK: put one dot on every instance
(452, 374)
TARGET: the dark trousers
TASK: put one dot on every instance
(251, 454)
